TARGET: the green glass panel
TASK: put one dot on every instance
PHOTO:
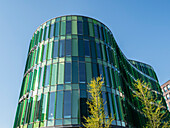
(23, 114)
(59, 105)
(49, 55)
(74, 17)
(88, 72)
(74, 47)
(37, 110)
(33, 109)
(91, 29)
(74, 27)
(63, 28)
(61, 73)
(54, 74)
(75, 104)
(44, 108)
(40, 54)
(37, 79)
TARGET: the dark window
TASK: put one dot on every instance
(80, 27)
(87, 48)
(68, 48)
(82, 73)
(101, 34)
(94, 68)
(105, 102)
(96, 31)
(51, 106)
(106, 76)
(55, 49)
(81, 48)
(98, 50)
(85, 28)
(47, 75)
(75, 72)
(108, 59)
(68, 27)
(52, 31)
(67, 104)
(93, 49)
(67, 72)
(111, 105)
(57, 28)
(62, 47)
(101, 70)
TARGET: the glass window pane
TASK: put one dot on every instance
(37, 111)
(74, 27)
(68, 48)
(63, 28)
(82, 72)
(57, 28)
(44, 52)
(93, 49)
(98, 50)
(75, 104)
(101, 34)
(52, 31)
(95, 71)
(106, 76)
(105, 103)
(59, 105)
(111, 105)
(62, 47)
(85, 28)
(44, 107)
(41, 77)
(54, 74)
(80, 27)
(75, 73)
(88, 72)
(91, 29)
(55, 49)
(43, 35)
(68, 27)
(115, 106)
(165, 89)
(81, 48)
(51, 106)
(67, 104)
(168, 86)
(87, 48)
(49, 55)
(96, 31)
(47, 32)
(74, 47)
(67, 72)
(61, 73)
(47, 75)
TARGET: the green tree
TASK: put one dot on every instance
(97, 116)
(153, 108)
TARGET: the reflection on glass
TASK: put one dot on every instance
(67, 72)
(68, 48)
(68, 27)
(67, 104)
(47, 75)
(51, 106)
(59, 105)
(62, 48)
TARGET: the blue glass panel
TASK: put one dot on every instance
(98, 50)
(67, 72)
(47, 75)
(51, 106)
(47, 32)
(57, 28)
(44, 52)
(68, 27)
(87, 48)
(94, 68)
(55, 49)
(101, 70)
(52, 31)
(101, 34)
(96, 31)
(44, 107)
(75, 72)
(59, 105)
(93, 49)
(111, 105)
(43, 35)
(62, 47)
(68, 48)
(82, 73)
(81, 48)
(75, 104)
(108, 59)
(80, 27)
(67, 104)
(105, 103)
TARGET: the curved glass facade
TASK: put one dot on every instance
(65, 53)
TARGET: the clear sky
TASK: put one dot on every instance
(141, 29)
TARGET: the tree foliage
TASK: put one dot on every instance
(97, 116)
(153, 108)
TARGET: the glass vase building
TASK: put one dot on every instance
(65, 53)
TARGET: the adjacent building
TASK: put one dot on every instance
(65, 53)
(166, 92)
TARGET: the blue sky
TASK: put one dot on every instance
(141, 29)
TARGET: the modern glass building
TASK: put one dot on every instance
(65, 53)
